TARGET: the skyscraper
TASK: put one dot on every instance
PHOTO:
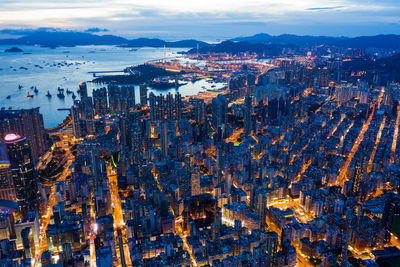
(136, 141)
(195, 181)
(83, 89)
(82, 114)
(170, 106)
(178, 106)
(272, 249)
(143, 94)
(7, 188)
(199, 110)
(388, 215)
(219, 111)
(28, 123)
(247, 115)
(87, 115)
(100, 101)
(24, 175)
(164, 138)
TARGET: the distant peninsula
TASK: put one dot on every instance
(14, 50)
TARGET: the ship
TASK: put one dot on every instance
(69, 91)
(73, 96)
(20, 87)
(29, 95)
(48, 94)
(61, 95)
(36, 90)
(8, 97)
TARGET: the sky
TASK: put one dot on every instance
(206, 19)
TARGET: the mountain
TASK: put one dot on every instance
(239, 47)
(389, 41)
(140, 42)
(54, 39)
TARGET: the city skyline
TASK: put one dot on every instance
(265, 150)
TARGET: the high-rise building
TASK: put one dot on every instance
(82, 113)
(170, 106)
(83, 89)
(247, 115)
(127, 98)
(100, 101)
(143, 94)
(195, 181)
(23, 171)
(272, 249)
(219, 111)
(121, 98)
(28, 123)
(87, 115)
(388, 215)
(164, 138)
(178, 106)
(152, 103)
(7, 187)
(114, 98)
(76, 121)
(199, 110)
(136, 141)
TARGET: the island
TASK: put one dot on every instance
(14, 50)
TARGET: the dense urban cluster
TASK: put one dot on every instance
(296, 162)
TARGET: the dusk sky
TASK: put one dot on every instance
(206, 19)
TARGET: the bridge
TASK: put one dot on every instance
(105, 71)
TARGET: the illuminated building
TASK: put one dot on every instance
(178, 106)
(143, 94)
(136, 141)
(247, 123)
(199, 111)
(24, 174)
(272, 249)
(195, 180)
(201, 209)
(82, 114)
(164, 138)
(170, 106)
(83, 90)
(7, 187)
(28, 123)
(100, 101)
(388, 215)
(219, 111)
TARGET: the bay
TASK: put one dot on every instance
(66, 67)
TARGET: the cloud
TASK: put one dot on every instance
(174, 17)
(325, 8)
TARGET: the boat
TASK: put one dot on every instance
(69, 91)
(20, 87)
(8, 97)
(29, 95)
(73, 96)
(48, 94)
(32, 87)
(36, 90)
(10, 108)
(60, 89)
(61, 95)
